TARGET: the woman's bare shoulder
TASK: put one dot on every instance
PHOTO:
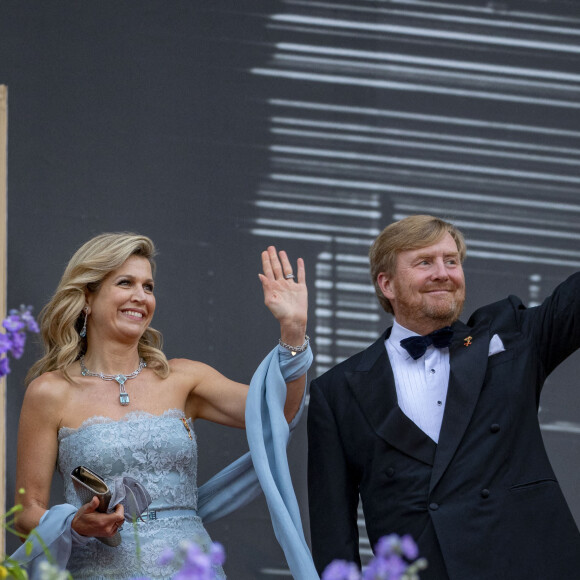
(50, 388)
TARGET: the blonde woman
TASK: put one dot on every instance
(104, 396)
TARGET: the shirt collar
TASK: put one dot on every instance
(398, 333)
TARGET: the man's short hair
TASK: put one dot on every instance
(410, 233)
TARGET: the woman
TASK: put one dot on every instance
(104, 396)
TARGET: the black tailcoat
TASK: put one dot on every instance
(483, 503)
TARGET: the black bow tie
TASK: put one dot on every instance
(417, 345)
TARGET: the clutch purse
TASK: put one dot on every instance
(87, 485)
(126, 491)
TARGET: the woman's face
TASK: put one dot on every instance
(123, 306)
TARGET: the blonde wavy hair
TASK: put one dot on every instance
(411, 233)
(62, 318)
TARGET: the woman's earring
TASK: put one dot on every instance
(83, 331)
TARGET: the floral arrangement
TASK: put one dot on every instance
(195, 563)
(14, 339)
(12, 342)
(396, 558)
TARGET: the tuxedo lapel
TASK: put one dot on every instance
(373, 386)
(468, 363)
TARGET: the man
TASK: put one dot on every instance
(444, 444)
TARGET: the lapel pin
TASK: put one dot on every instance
(467, 341)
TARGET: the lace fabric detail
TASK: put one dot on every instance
(159, 452)
(131, 416)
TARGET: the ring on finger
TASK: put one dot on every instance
(289, 276)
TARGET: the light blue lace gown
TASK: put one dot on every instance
(161, 453)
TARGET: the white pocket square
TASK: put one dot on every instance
(495, 345)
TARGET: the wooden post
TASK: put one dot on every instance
(3, 288)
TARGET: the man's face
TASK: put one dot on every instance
(427, 290)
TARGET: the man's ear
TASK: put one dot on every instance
(386, 286)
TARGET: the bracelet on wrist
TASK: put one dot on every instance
(295, 349)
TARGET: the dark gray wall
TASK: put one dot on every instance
(139, 116)
(219, 127)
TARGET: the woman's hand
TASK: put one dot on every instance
(285, 294)
(89, 522)
(287, 298)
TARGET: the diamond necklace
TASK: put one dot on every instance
(121, 379)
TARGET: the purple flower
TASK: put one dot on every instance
(409, 548)
(390, 568)
(18, 342)
(166, 557)
(341, 570)
(28, 319)
(4, 366)
(388, 545)
(217, 554)
(19, 319)
(13, 323)
(13, 342)
(196, 567)
(5, 343)
(192, 553)
(187, 574)
(196, 564)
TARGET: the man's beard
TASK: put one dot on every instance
(444, 313)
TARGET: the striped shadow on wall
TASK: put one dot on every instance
(468, 111)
